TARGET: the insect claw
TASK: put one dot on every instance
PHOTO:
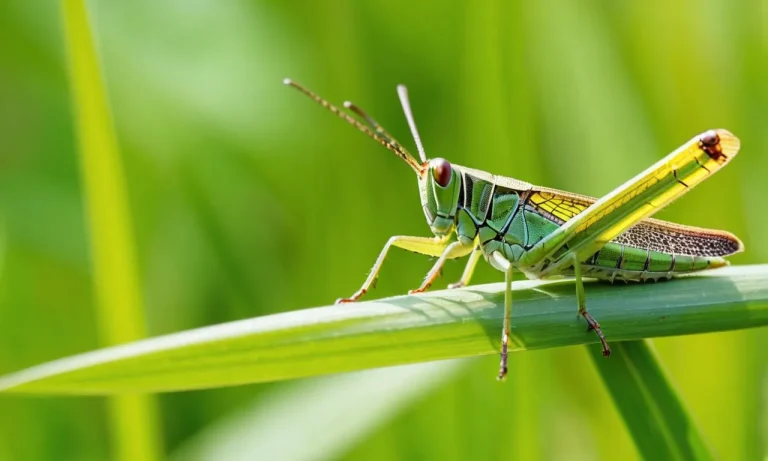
(503, 365)
(352, 299)
(594, 326)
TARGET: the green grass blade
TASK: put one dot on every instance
(360, 403)
(406, 329)
(118, 297)
(653, 412)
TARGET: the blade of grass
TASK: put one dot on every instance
(653, 412)
(356, 404)
(118, 299)
(405, 329)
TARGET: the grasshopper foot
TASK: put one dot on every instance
(351, 299)
(594, 326)
(453, 286)
(503, 364)
(421, 289)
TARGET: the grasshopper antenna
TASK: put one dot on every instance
(379, 135)
(372, 123)
(402, 91)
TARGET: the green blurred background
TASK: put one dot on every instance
(248, 199)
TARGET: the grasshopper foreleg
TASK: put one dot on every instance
(434, 246)
(468, 270)
(582, 303)
(452, 251)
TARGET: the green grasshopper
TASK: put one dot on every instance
(544, 232)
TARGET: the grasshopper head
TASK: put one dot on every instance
(439, 187)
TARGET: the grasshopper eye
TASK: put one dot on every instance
(441, 170)
(710, 138)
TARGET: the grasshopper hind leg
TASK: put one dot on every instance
(582, 303)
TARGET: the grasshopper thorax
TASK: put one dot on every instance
(439, 187)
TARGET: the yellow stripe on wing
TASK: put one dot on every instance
(558, 204)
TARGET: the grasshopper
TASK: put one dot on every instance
(545, 232)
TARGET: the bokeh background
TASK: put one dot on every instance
(247, 199)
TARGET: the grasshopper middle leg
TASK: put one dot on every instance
(502, 263)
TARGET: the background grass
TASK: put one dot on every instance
(247, 200)
(119, 308)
